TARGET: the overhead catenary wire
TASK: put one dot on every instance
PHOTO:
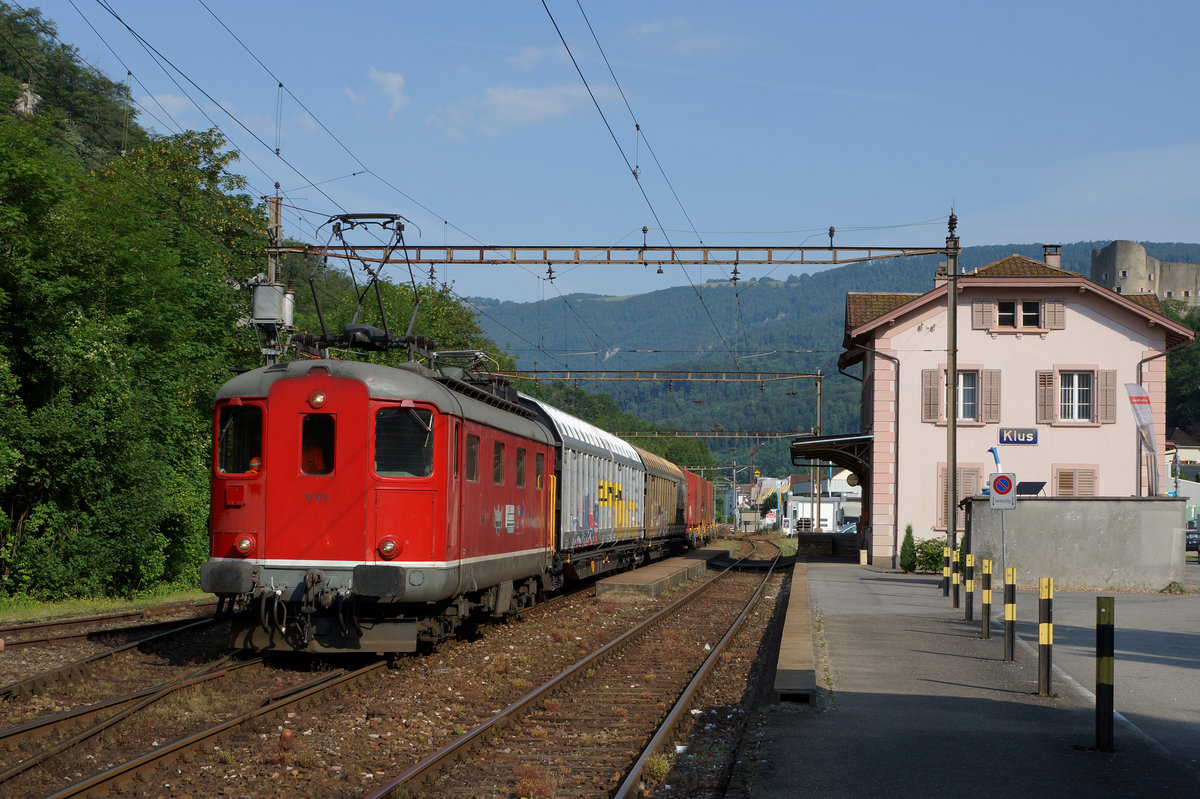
(632, 171)
(159, 56)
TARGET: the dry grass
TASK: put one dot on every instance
(534, 783)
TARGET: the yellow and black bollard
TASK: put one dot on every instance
(986, 598)
(954, 577)
(1010, 612)
(969, 614)
(946, 570)
(1105, 643)
(1045, 634)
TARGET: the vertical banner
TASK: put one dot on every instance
(1144, 416)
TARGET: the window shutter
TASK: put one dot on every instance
(942, 488)
(1046, 404)
(930, 394)
(967, 484)
(1106, 399)
(1075, 483)
(983, 314)
(1054, 314)
(990, 410)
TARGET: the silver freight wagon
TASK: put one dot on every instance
(601, 491)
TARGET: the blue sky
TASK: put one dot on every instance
(1036, 121)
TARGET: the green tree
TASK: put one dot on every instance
(908, 551)
(119, 324)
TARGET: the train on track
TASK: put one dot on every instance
(360, 507)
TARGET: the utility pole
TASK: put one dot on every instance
(813, 475)
(274, 306)
(951, 390)
(274, 237)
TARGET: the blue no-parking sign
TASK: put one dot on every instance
(1003, 490)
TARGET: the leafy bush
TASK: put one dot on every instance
(929, 555)
(908, 551)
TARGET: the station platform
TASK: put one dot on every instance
(656, 579)
(910, 700)
(795, 670)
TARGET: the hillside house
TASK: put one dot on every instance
(1044, 355)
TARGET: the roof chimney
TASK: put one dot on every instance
(1052, 255)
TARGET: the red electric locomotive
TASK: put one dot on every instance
(366, 507)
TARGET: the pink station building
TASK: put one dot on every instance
(1044, 356)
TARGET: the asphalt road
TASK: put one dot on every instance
(1156, 687)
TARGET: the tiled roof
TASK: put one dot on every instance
(1020, 266)
(1147, 300)
(862, 307)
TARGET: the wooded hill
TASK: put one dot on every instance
(797, 321)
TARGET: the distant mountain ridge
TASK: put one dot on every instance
(792, 324)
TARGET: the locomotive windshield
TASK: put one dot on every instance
(316, 444)
(239, 439)
(403, 442)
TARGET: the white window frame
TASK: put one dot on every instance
(1076, 396)
(967, 397)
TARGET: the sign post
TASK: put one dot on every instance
(1003, 496)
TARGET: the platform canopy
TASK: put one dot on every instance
(851, 452)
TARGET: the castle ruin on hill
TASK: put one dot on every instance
(1124, 267)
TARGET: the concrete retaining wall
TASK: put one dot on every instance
(1085, 543)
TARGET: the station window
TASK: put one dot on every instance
(1026, 313)
(316, 443)
(1075, 396)
(498, 463)
(968, 396)
(472, 458)
(403, 442)
(520, 467)
(239, 439)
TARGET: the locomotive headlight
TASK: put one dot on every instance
(317, 399)
(388, 548)
(244, 544)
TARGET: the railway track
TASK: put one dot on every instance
(146, 729)
(596, 728)
(83, 668)
(115, 780)
(56, 631)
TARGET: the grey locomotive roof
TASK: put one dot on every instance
(580, 435)
(407, 381)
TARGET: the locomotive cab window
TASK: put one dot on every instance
(498, 463)
(539, 469)
(316, 443)
(403, 442)
(520, 467)
(239, 439)
(472, 458)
